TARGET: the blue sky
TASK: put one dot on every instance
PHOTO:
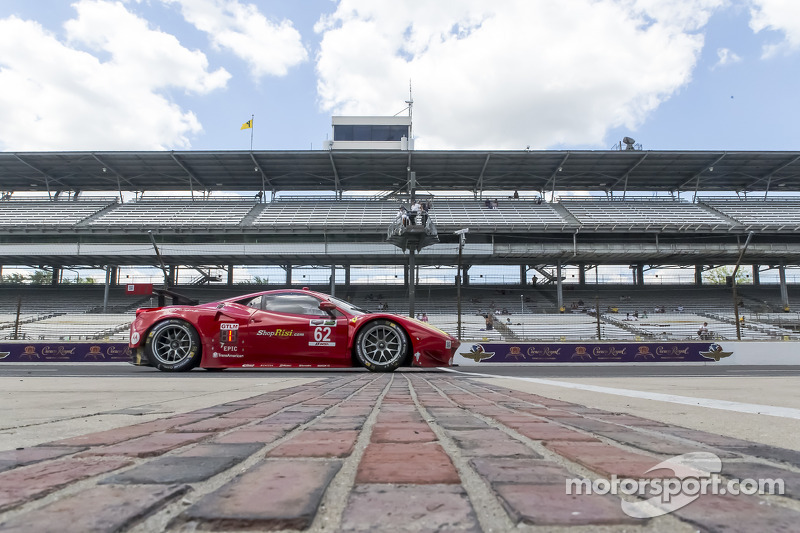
(508, 74)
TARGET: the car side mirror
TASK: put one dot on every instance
(327, 306)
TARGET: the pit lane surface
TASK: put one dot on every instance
(463, 452)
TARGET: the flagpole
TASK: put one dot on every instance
(252, 127)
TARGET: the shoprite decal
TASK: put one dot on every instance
(73, 352)
(594, 352)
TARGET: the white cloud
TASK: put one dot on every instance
(726, 57)
(101, 89)
(549, 72)
(777, 15)
(269, 48)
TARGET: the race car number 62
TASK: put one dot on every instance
(322, 334)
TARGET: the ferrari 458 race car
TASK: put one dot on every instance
(284, 328)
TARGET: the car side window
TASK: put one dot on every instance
(255, 303)
(295, 304)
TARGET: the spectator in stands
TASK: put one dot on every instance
(495, 204)
(516, 195)
(703, 332)
(415, 209)
(402, 216)
(259, 195)
(538, 200)
(424, 317)
(489, 322)
(488, 204)
(534, 279)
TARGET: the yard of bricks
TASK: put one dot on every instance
(360, 452)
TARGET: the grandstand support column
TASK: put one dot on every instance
(114, 275)
(105, 291)
(172, 278)
(559, 286)
(288, 269)
(347, 279)
(466, 275)
(581, 274)
(784, 290)
(333, 280)
(698, 274)
(756, 277)
(640, 274)
(56, 275)
(230, 275)
(412, 281)
(523, 271)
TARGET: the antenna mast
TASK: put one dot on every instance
(410, 103)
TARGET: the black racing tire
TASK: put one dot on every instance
(173, 346)
(381, 345)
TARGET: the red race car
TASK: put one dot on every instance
(284, 328)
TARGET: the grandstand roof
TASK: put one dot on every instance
(365, 170)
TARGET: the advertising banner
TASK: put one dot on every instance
(69, 352)
(588, 352)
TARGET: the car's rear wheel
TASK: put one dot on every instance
(173, 346)
(381, 346)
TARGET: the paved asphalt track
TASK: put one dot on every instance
(112, 447)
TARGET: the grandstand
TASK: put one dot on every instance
(330, 210)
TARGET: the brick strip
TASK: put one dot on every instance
(21, 484)
(274, 494)
(102, 508)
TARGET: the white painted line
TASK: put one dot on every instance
(724, 405)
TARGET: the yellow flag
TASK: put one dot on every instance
(248, 124)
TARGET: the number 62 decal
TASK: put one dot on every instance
(322, 337)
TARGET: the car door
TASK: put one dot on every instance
(291, 329)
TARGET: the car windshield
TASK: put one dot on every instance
(348, 307)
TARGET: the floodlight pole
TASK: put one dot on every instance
(597, 302)
(462, 237)
(733, 286)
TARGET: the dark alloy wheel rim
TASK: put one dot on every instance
(173, 344)
(381, 345)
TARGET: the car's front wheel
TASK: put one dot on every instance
(173, 346)
(381, 346)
